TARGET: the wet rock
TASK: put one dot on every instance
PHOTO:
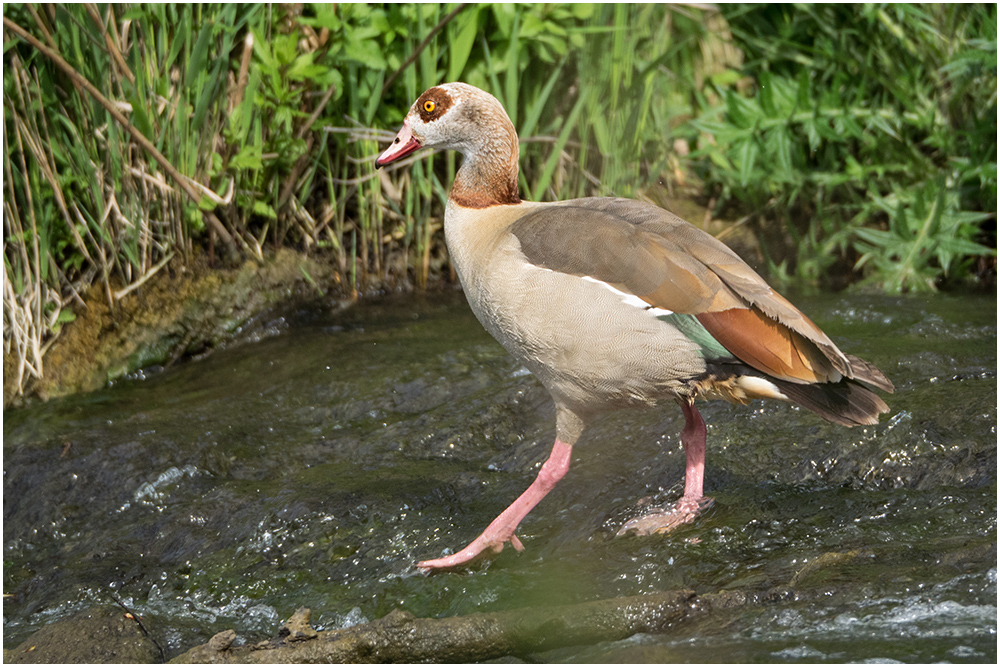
(99, 635)
(402, 637)
(297, 628)
(222, 640)
(824, 562)
(971, 557)
(177, 313)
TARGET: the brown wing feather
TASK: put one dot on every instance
(752, 290)
(671, 264)
(685, 285)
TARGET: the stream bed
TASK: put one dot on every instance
(315, 460)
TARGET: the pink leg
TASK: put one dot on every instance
(693, 437)
(502, 529)
(661, 520)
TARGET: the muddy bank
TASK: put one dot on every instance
(183, 310)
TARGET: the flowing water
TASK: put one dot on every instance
(315, 461)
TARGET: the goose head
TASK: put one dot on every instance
(463, 118)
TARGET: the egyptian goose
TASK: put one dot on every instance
(614, 303)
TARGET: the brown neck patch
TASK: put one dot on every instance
(488, 176)
(483, 197)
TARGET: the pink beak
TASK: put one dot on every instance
(404, 144)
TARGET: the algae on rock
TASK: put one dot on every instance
(179, 312)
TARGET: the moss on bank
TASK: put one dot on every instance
(180, 311)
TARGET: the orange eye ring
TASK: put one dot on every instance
(429, 106)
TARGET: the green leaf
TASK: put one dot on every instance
(876, 237)
(812, 136)
(463, 39)
(264, 209)
(725, 78)
(365, 52)
(249, 157)
(964, 247)
(556, 154)
(325, 17)
(512, 73)
(821, 124)
(779, 148)
(141, 119)
(198, 60)
(765, 94)
(242, 117)
(738, 110)
(371, 108)
(802, 97)
(541, 100)
(880, 123)
(262, 50)
(181, 37)
(303, 68)
(747, 158)
(65, 316)
(505, 14)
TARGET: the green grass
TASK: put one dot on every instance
(856, 140)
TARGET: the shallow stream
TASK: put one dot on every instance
(313, 462)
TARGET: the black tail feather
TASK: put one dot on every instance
(844, 402)
(867, 373)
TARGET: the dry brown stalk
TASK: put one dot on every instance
(182, 180)
(244, 76)
(116, 54)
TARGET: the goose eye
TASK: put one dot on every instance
(429, 106)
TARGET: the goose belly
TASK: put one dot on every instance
(589, 347)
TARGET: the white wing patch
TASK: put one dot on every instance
(631, 299)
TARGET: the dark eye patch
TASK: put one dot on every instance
(441, 102)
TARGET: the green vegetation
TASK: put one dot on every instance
(854, 140)
(868, 132)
